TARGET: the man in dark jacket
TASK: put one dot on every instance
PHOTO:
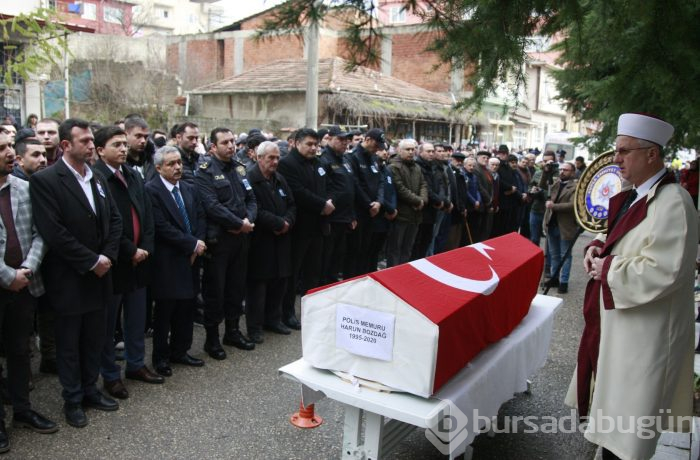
(341, 185)
(269, 261)
(483, 174)
(229, 202)
(141, 148)
(83, 241)
(131, 273)
(438, 199)
(381, 225)
(474, 201)
(411, 197)
(508, 198)
(180, 228)
(306, 177)
(187, 137)
(455, 220)
(368, 202)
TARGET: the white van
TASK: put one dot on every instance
(563, 140)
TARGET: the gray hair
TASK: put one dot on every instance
(158, 157)
(407, 143)
(264, 146)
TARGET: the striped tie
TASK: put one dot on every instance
(181, 207)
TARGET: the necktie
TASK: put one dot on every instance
(135, 222)
(628, 202)
(626, 205)
(181, 207)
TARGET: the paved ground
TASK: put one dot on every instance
(239, 409)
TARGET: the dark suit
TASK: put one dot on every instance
(269, 261)
(129, 281)
(175, 281)
(76, 236)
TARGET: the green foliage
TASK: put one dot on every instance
(33, 41)
(616, 55)
(634, 56)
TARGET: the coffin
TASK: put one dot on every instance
(414, 326)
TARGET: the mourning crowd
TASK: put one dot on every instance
(112, 234)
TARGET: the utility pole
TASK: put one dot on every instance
(66, 79)
(311, 39)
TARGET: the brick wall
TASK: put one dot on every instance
(257, 53)
(410, 62)
(172, 58)
(202, 62)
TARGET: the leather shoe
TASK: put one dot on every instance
(4, 441)
(256, 337)
(187, 360)
(235, 338)
(144, 375)
(48, 366)
(278, 328)
(75, 415)
(214, 349)
(292, 322)
(100, 402)
(563, 288)
(163, 368)
(116, 389)
(34, 421)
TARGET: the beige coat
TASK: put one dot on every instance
(645, 365)
(564, 207)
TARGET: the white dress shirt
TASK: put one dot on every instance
(84, 183)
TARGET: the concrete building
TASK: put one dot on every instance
(272, 96)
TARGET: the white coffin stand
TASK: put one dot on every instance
(492, 378)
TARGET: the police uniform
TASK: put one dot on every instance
(370, 189)
(227, 198)
(340, 185)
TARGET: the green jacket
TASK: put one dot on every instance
(411, 188)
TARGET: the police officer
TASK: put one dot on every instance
(229, 202)
(368, 202)
(340, 186)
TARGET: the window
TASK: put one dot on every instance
(397, 14)
(113, 15)
(89, 11)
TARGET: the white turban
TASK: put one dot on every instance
(644, 127)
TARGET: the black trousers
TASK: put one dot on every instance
(79, 341)
(377, 241)
(16, 325)
(174, 317)
(422, 241)
(356, 260)
(334, 246)
(306, 268)
(264, 303)
(225, 280)
(45, 324)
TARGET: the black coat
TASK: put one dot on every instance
(270, 254)
(341, 185)
(226, 195)
(307, 180)
(370, 185)
(173, 276)
(438, 187)
(75, 236)
(126, 277)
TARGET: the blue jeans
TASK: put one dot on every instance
(536, 220)
(134, 326)
(557, 249)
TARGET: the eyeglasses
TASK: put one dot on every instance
(624, 151)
